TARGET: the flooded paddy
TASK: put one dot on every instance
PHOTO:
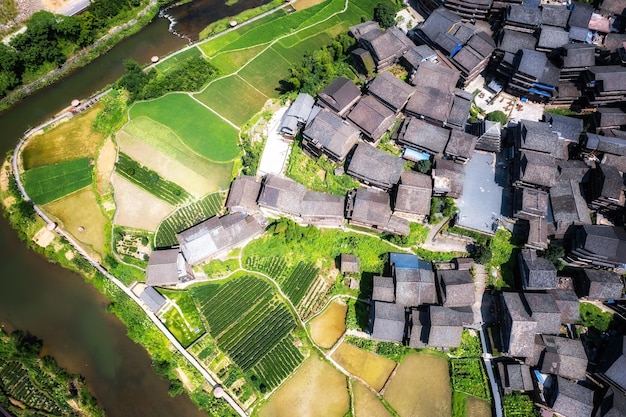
(315, 390)
(366, 403)
(420, 387)
(373, 369)
(328, 327)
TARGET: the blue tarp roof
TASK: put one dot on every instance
(404, 260)
(413, 155)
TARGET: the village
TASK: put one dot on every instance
(552, 178)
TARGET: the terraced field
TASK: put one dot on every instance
(51, 182)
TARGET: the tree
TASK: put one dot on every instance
(424, 166)
(385, 15)
(497, 116)
(481, 254)
(554, 253)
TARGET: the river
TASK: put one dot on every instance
(55, 304)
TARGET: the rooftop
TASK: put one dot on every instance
(388, 167)
(390, 90)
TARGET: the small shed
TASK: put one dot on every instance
(463, 264)
(153, 299)
(349, 264)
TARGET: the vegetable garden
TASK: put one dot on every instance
(51, 182)
(248, 322)
(185, 217)
(468, 377)
(150, 181)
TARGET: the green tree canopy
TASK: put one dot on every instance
(497, 116)
(385, 15)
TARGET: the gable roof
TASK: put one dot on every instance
(430, 102)
(537, 272)
(383, 289)
(388, 167)
(572, 400)
(437, 76)
(512, 41)
(445, 327)
(371, 206)
(600, 284)
(552, 37)
(608, 77)
(515, 377)
(281, 194)
(415, 286)
(459, 112)
(414, 193)
(567, 128)
(564, 357)
(153, 299)
(332, 133)
(243, 194)
(418, 54)
(554, 15)
(456, 287)
(523, 15)
(208, 238)
(521, 333)
(165, 267)
(608, 242)
(580, 14)
(340, 95)
(440, 20)
(531, 201)
(537, 169)
(568, 204)
(609, 117)
(385, 45)
(417, 133)
(579, 55)
(539, 137)
(350, 263)
(448, 177)
(568, 304)
(372, 117)
(615, 146)
(617, 370)
(318, 207)
(390, 90)
(545, 311)
(388, 321)
(362, 28)
(301, 107)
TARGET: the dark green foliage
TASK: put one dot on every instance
(469, 377)
(112, 117)
(289, 231)
(441, 207)
(385, 15)
(518, 405)
(482, 254)
(497, 116)
(251, 156)
(320, 67)
(554, 254)
(424, 166)
(299, 281)
(593, 316)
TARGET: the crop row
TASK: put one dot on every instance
(16, 381)
(247, 322)
(314, 299)
(151, 181)
(274, 266)
(185, 217)
(468, 376)
(299, 281)
(50, 182)
(279, 363)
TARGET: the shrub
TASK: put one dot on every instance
(385, 15)
(497, 116)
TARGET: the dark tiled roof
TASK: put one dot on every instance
(362, 28)
(482, 43)
(436, 76)
(513, 41)
(516, 377)
(457, 288)
(415, 287)
(417, 133)
(568, 204)
(383, 289)
(448, 178)
(568, 128)
(340, 95)
(572, 400)
(282, 194)
(537, 272)
(573, 170)
(531, 201)
(612, 41)
(523, 15)
(554, 15)
(552, 37)
(448, 42)
(414, 193)
(615, 146)
(388, 167)
(318, 207)
(445, 327)
(350, 263)
(461, 144)
(430, 102)
(440, 20)
(577, 55)
(418, 54)
(332, 133)
(163, 267)
(391, 43)
(390, 90)
(608, 242)
(578, 33)
(243, 194)
(519, 328)
(609, 77)
(544, 309)
(609, 117)
(532, 63)
(602, 285)
(371, 207)
(568, 304)
(564, 357)
(388, 322)
(372, 117)
(538, 169)
(613, 184)
(468, 59)
(580, 14)
(538, 137)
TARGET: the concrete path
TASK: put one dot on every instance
(276, 150)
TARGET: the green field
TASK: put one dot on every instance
(185, 217)
(218, 95)
(230, 61)
(199, 128)
(249, 323)
(150, 181)
(51, 182)
(170, 63)
(266, 71)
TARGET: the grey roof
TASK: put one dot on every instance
(371, 207)
(537, 233)
(599, 284)
(615, 146)
(607, 242)
(418, 54)
(243, 194)
(436, 76)
(613, 184)
(301, 107)
(532, 63)
(460, 108)
(482, 43)
(448, 178)
(544, 309)
(538, 169)
(573, 170)
(554, 15)
(153, 299)
(578, 33)
(445, 327)
(526, 16)
(340, 95)
(388, 321)
(418, 134)
(461, 144)
(580, 14)
(579, 55)
(415, 287)
(516, 377)
(617, 371)
(350, 263)
(539, 137)
(165, 267)
(612, 7)
(568, 304)
(512, 41)
(388, 168)
(608, 77)
(537, 272)
(564, 357)
(568, 205)
(609, 117)
(362, 28)
(552, 37)
(216, 234)
(440, 20)
(572, 400)
(390, 90)
(383, 289)
(372, 117)
(419, 328)
(430, 102)
(613, 41)
(531, 201)
(567, 128)
(390, 43)
(456, 287)
(320, 207)
(282, 194)
(414, 193)
(518, 327)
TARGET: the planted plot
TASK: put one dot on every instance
(172, 62)
(273, 266)
(185, 217)
(50, 182)
(468, 377)
(151, 181)
(265, 72)
(299, 281)
(279, 363)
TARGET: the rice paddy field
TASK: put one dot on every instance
(366, 403)
(328, 327)
(315, 390)
(66, 142)
(373, 369)
(198, 127)
(420, 386)
(50, 182)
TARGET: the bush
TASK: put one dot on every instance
(424, 166)
(497, 116)
(385, 15)
(482, 254)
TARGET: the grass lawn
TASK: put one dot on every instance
(166, 141)
(176, 324)
(266, 71)
(198, 127)
(71, 140)
(50, 182)
(170, 63)
(233, 98)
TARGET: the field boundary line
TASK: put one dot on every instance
(235, 50)
(237, 128)
(256, 89)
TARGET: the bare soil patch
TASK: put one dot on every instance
(43, 237)
(328, 327)
(304, 4)
(105, 164)
(373, 369)
(79, 214)
(137, 208)
(420, 386)
(165, 166)
(366, 403)
(316, 390)
(185, 380)
(9, 201)
(478, 408)
(4, 176)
